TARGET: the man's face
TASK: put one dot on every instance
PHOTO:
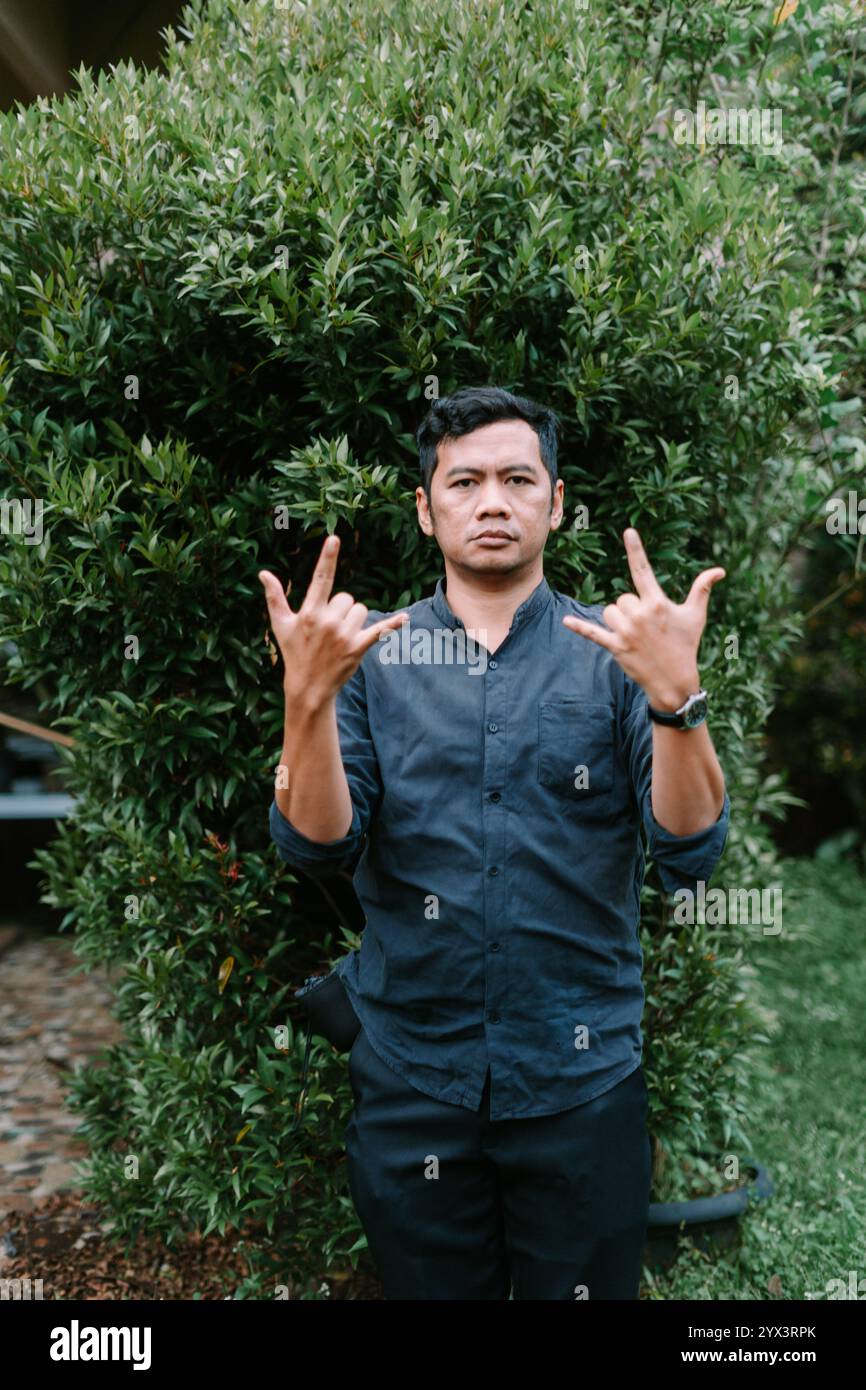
(491, 480)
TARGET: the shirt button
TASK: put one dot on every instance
(493, 728)
(495, 796)
(494, 1018)
(492, 665)
(494, 870)
(494, 945)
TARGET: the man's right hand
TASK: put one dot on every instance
(323, 643)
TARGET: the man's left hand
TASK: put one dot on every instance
(654, 640)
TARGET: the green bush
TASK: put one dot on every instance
(818, 731)
(228, 289)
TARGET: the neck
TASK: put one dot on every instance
(489, 601)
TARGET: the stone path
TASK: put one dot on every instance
(53, 1018)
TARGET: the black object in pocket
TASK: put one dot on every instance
(329, 1010)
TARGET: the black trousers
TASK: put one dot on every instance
(457, 1206)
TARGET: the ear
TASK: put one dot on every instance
(557, 511)
(423, 507)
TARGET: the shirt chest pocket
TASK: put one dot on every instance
(576, 757)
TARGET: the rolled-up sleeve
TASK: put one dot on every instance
(323, 858)
(683, 860)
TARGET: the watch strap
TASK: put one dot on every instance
(676, 719)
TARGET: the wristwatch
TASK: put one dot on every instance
(688, 716)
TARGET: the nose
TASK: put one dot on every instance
(492, 501)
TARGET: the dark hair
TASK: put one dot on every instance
(473, 406)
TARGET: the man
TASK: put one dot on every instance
(493, 764)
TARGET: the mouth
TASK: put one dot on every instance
(494, 538)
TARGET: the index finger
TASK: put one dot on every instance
(641, 570)
(319, 590)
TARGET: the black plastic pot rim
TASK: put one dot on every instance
(722, 1207)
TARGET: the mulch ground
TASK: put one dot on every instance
(66, 1243)
(55, 1017)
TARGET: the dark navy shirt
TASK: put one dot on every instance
(498, 804)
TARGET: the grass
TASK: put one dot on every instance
(807, 1104)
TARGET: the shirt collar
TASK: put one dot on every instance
(535, 603)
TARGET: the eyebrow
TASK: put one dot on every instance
(523, 467)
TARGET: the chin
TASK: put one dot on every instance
(493, 560)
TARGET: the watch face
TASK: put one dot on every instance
(696, 713)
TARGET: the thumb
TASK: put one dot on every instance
(275, 595)
(270, 582)
(699, 593)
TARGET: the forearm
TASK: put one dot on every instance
(688, 785)
(316, 799)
